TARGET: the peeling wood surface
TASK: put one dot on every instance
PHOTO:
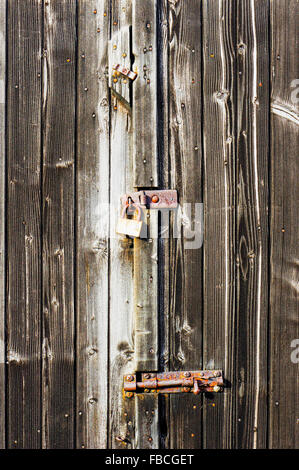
(213, 113)
(284, 397)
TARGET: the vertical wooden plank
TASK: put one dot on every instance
(2, 218)
(284, 219)
(92, 224)
(144, 43)
(145, 93)
(252, 222)
(165, 183)
(219, 94)
(23, 223)
(146, 297)
(121, 330)
(146, 329)
(58, 222)
(185, 142)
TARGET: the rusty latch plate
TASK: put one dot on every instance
(153, 199)
(174, 382)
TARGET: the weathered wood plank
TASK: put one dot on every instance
(185, 141)
(252, 223)
(144, 43)
(147, 422)
(284, 401)
(121, 320)
(92, 224)
(145, 93)
(146, 297)
(59, 89)
(164, 221)
(146, 329)
(2, 218)
(23, 223)
(219, 95)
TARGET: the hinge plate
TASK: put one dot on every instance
(174, 382)
(153, 199)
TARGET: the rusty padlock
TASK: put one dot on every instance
(129, 227)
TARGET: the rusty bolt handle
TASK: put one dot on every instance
(194, 382)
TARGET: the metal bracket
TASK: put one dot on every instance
(153, 199)
(174, 382)
(125, 72)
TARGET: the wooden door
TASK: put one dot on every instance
(213, 114)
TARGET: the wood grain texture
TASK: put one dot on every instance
(59, 91)
(147, 422)
(284, 398)
(145, 174)
(146, 297)
(185, 139)
(23, 224)
(252, 223)
(219, 121)
(213, 114)
(2, 218)
(92, 224)
(145, 93)
(146, 329)
(121, 319)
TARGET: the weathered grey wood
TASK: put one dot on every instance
(2, 218)
(185, 141)
(147, 422)
(146, 329)
(219, 112)
(92, 224)
(23, 224)
(145, 250)
(121, 330)
(145, 93)
(59, 90)
(146, 296)
(164, 182)
(284, 399)
(252, 223)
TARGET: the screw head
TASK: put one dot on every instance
(155, 199)
(187, 374)
(130, 378)
(147, 376)
(216, 388)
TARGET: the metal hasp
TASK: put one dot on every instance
(125, 72)
(153, 199)
(174, 382)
